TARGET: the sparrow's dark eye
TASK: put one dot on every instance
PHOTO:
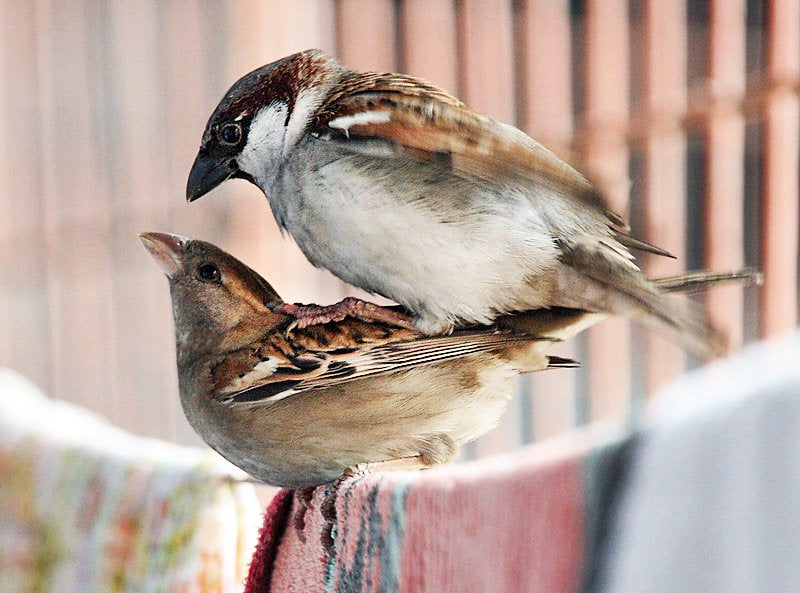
(230, 134)
(208, 273)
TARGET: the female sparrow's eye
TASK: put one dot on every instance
(208, 273)
(230, 134)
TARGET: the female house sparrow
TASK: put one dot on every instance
(400, 189)
(297, 409)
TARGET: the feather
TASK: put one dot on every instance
(390, 356)
(595, 283)
(415, 118)
(633, 243)
(691, 282)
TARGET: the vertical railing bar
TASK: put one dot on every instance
(429, 38)
(725, 135)
(25, 319)
(46, 130)
(489, 87)
(779, 305)
(665, 99)
(545, 112)
(523, 404)
(102, 205)
(606, 72)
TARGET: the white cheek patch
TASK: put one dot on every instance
(265, 140)
(345, 122)
(306, 104)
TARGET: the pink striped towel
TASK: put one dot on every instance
(523, 521)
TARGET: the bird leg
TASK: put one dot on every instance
(307, 315)
(327, 509)
(328, 506)
(303, 496)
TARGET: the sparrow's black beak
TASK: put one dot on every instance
(166, 249)
(207, 173)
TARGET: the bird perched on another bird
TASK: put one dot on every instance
(400, 189)
(297, 407)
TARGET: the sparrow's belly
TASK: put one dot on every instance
(312, 438)
(464, 257)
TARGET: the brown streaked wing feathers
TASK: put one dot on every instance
(426, 119)
(388, 356)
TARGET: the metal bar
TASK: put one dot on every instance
(545, 64)
(724, 224)
(606, 154)
(664, 207)
(428, 41)
(73, 168)
(702, 102)
(486, 48)
(24, 317)
(781, 139)
(130, 105)
(366, 34)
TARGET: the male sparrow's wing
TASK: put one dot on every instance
(392, 114)
(276, 374)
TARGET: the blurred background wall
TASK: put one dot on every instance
(686, 113)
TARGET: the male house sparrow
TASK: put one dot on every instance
(297, 409)
(400, 189)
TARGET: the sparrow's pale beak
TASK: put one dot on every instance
(166, 249)
(207, 173)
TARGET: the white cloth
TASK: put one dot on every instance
(713, 502)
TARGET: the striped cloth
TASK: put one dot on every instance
(524, 521)
(86, 507)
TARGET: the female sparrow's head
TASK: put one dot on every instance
(218, 303)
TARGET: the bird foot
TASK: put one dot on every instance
(308, 315)
(328, 505)
(327, 509)
(303, 496)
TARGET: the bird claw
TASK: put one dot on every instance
(308, 315)
(303, 496)
(327, 507)
(358, 470)
(327, 510)
(290, 328)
